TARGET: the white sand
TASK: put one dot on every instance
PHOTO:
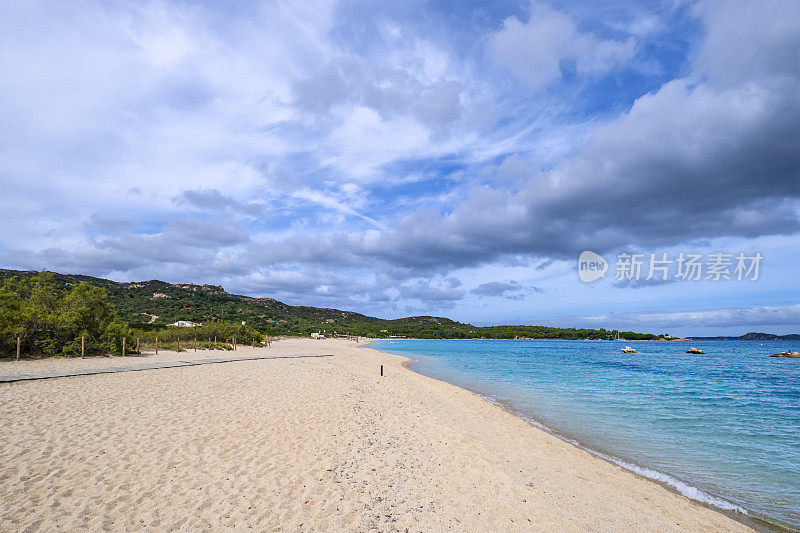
(300, 444)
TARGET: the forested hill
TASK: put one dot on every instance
(160, 303)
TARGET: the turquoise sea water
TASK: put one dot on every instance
(723, 428)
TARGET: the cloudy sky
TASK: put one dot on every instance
(399, 158)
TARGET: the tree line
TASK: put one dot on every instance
(50, 319)
(51, 314)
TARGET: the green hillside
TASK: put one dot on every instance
(158, 303)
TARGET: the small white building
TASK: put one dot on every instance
(184, 324)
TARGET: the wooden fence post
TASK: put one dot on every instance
(156, 345)
(179, 344)
(17, 348)
(195, 344)
(137, 344)
(123, 346)
(234, 343)
(83, 345)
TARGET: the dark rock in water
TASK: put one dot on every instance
(795, 355)
(695, 351)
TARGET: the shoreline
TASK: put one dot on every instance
(737, 513)
(727, 508)
(312, 443)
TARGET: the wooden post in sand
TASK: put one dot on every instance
(234, 344)
(137, 344)
(17, 348)
(123, 346)
(215, 339)
(195, 344)
(156, 345)
(83, 344)
(179, 344)
(381, 370)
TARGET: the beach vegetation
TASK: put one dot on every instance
(53, 319)
(225, 334)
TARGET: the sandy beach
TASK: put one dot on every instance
(311, 444)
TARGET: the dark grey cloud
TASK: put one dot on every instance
(188, 245)
(295, 284)
(441, 294)
(204, 233)
(207, 199)
(497, 288)
(82, 260)
(511, 290)
(706, 156)
(113, 225)
(214, 200)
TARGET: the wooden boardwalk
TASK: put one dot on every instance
(146, 366)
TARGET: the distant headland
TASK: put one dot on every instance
(754, 336)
